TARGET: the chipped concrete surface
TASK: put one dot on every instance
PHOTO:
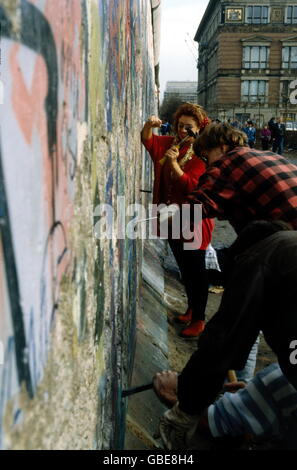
(79, 80)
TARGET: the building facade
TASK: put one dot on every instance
(186, 91)
(248, 59)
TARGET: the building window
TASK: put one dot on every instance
(254, 91)
(255, 57)
(284, 95)
(211, 95)
(291, 17)
(290, 117)
(234, 14)
(257, 15)
(290, 57)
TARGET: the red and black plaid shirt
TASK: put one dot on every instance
(247, 184)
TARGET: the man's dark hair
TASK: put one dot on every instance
(215, 135)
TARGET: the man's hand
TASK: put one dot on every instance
(233, 387)
(165, 386)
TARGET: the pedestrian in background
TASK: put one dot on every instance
(250, 131)
(278, 139)
(265, 138)
(165, 128)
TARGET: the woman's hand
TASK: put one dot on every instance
(171, 157)
(172, 154)
(154, 121)
(147, 132)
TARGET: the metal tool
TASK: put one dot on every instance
(142, 388)
(190, 134)
(132, 391)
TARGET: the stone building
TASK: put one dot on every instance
(186, 91)
(248, 59)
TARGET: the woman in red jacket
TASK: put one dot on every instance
(177, 175)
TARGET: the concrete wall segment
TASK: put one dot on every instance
(78, 82)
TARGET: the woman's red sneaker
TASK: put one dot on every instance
(193, 330)
(186, 317)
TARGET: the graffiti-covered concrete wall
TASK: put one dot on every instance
(78, 80)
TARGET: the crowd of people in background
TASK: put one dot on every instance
(271, 135)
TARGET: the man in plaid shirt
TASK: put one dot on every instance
(243, 184)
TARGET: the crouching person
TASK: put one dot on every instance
(265, 409)
(260, 294)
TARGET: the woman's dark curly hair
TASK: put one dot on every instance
(194, 111)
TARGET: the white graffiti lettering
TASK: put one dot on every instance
(293, 94)
(293, 355)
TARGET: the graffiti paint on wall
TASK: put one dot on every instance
(38, 163)
(127, 91)
(78, 81)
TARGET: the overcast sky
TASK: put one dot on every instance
(180, 21)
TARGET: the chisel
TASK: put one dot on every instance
(142, 388)
(132, 391)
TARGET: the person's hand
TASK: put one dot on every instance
(233, 387)
(165, 387)
(172, 154)
(154, 121)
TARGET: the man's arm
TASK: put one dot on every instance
(225, 343)
(227, 340)
(215, 191)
